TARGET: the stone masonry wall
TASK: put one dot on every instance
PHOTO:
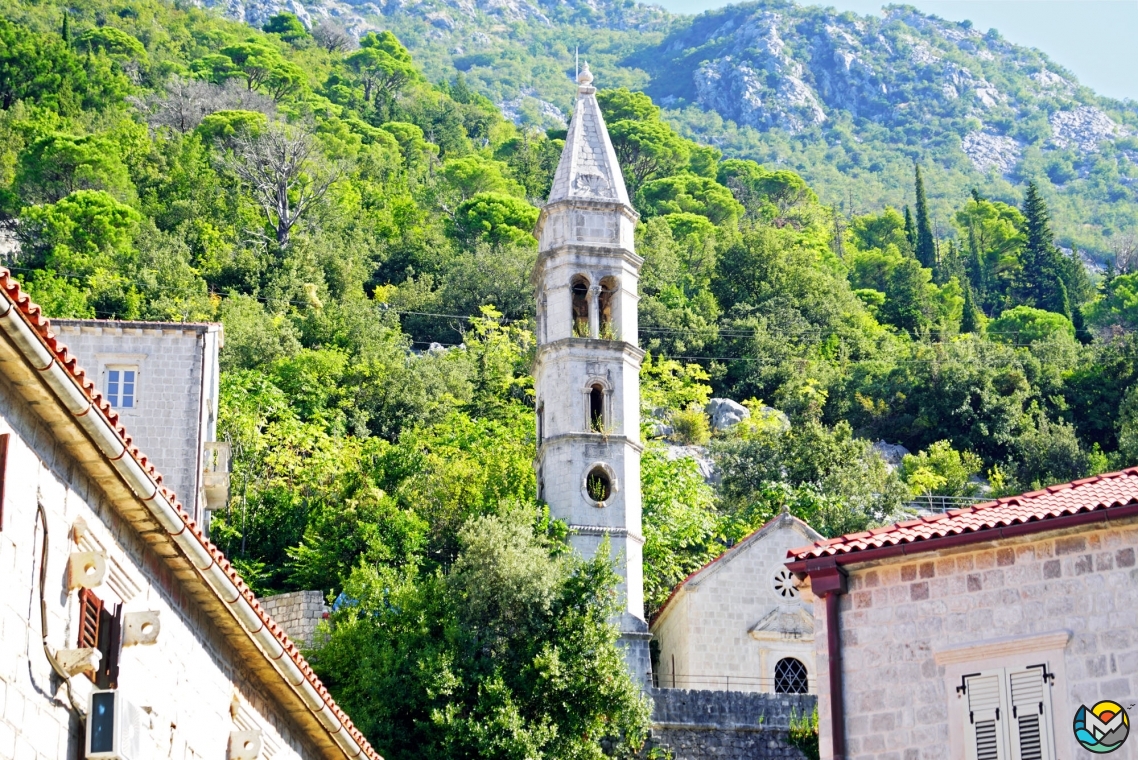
(168, 393)
(298, 612)
(721, 725)
(188, 680)
(901, 616)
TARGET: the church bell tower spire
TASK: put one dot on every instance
(587, 370)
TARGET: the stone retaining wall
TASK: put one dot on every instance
(298, 613)
(702, 725)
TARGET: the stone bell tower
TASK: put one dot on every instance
(587, 370)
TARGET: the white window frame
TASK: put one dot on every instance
(116, 399)
(121, 362)
(1005, 658)
(1001, 705)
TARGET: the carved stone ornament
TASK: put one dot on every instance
(784, 622)
(593, 184)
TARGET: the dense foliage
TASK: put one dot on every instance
(365, 236)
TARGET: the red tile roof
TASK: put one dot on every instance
(983, 521)
(34, 317)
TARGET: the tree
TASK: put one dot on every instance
(58, 164)
(688, 193)
(333, 37)
(496, 217)
(924, 247)
(680, 524)
(286, 26)
(941, 470)
(1040, 281)
(282, 168)
(510, 654)
(382, 66)
(647, 149)
(971, 320)
(620, 104)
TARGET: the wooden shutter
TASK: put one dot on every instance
(101, 628)
(3, 473)
(1031, 727)
(986, 731)
(90, 615)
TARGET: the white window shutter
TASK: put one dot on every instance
(1031, 726)
(986, 715)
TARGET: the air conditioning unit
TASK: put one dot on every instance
(114, 727)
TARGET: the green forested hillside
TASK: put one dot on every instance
(364, 236)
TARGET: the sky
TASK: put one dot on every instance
(1093, 39)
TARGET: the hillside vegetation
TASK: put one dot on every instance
(364, 234)
(847, 101)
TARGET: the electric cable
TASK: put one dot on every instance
(42, 515)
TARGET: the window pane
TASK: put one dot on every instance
(128, 388)
(113, 387)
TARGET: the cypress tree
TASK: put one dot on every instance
(924, 247)
(970, 322)
(1041, 279)
(910, 232)
(66, 31)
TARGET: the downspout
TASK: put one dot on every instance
(828, 580)
(199, 506)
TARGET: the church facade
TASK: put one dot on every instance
(586, 373)
(741, 623)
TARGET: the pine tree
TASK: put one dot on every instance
(970, 322)
(924, 246)
(910, 232)
(1041, 279)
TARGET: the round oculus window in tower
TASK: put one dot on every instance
(598, 485)
(784, 584)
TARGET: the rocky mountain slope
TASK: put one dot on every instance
(849, 101)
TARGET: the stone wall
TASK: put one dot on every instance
(911, 627)
(298, 613)
(699, 725)
(175, 408)
(190, 682)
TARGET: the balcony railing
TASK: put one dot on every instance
(727, 683)
(215, 474)
(943, 503)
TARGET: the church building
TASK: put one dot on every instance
(586, 374)
(741, 623)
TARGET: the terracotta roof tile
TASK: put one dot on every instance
(1085, 495)
(33, 315)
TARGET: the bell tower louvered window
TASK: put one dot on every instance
(1008, 714)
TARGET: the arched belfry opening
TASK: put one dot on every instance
(597, 408)
(609, 287)
(580, 291)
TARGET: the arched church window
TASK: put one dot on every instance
(597, 408)
(790, 677)
(580, 290)
(598, 484)
(607, 301)
(784, 584)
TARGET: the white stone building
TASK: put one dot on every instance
(586, 374)
(162, 380)
(740, 623)
(112, 595)
(985, 633)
